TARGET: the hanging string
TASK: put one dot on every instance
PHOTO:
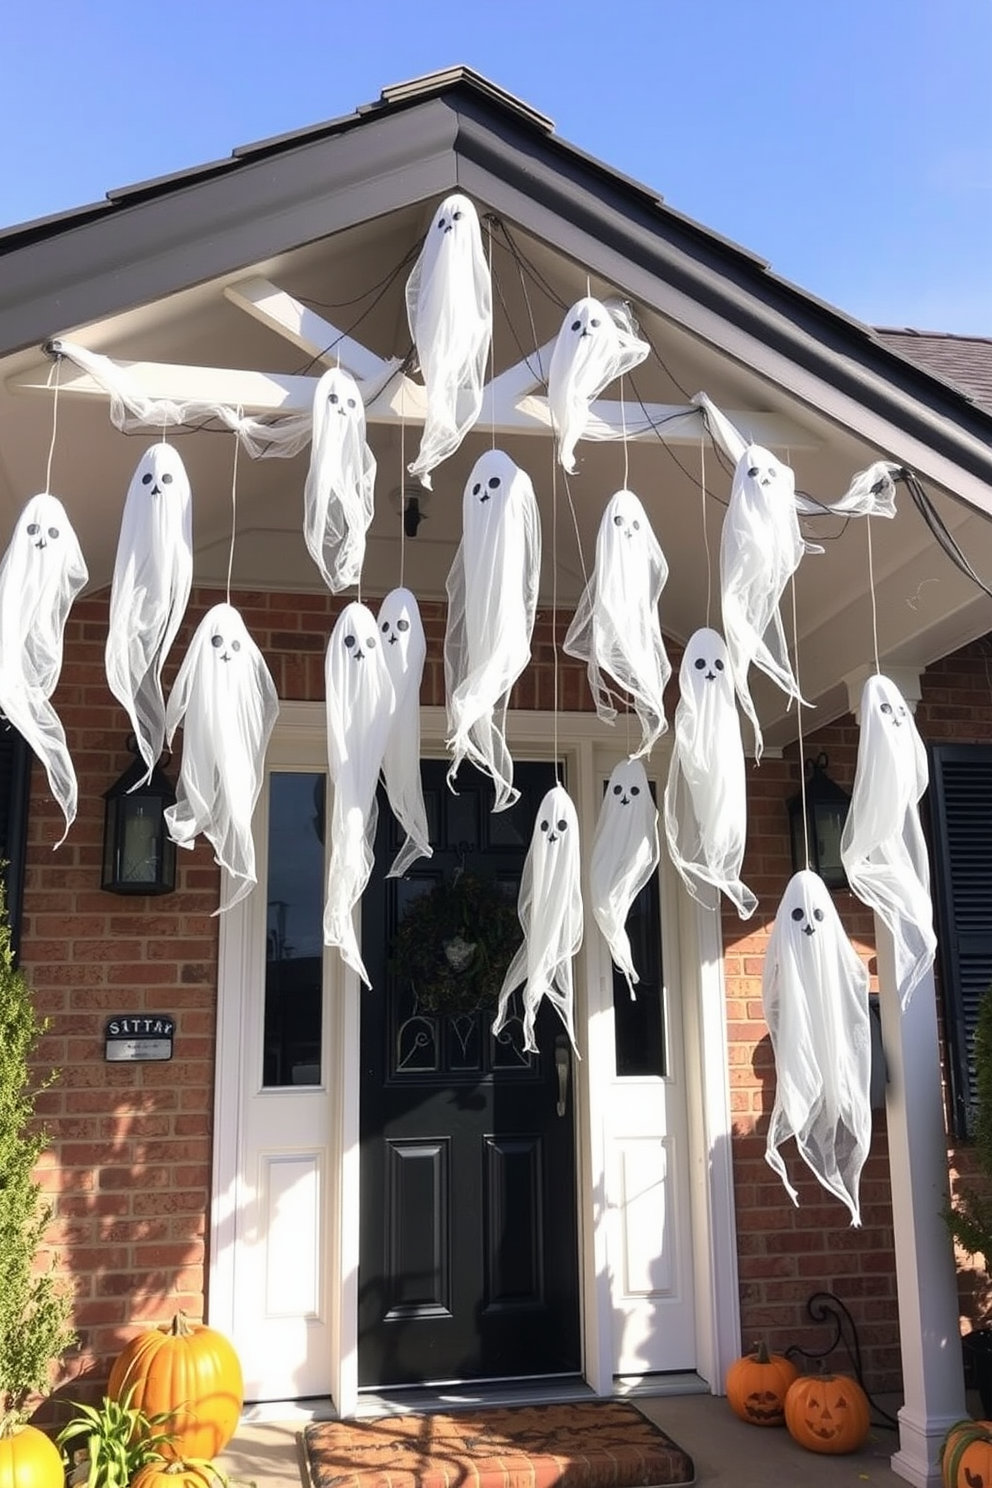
(53, 371)
(234, 509)
(706, 534)
(623, 426)
(799, 720)
(402, 491)
(871, 591)
(492, 343)
(554, 599)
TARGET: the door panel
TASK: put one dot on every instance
(468, 1252)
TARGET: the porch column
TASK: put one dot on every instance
(929, 1332)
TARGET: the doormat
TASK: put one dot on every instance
(594, 1444)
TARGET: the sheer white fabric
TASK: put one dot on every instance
(815, 993)
(550, 909)
(625, 853)
(153, 572)
(449, 307)
(882, 848)
(706, 798)
(41, 573)
(339, 492)
(760, 549)
(360, 702)
(226, 701)
(872, 493)
(616, 628)
(401, 634)
(492, 601)
(597, 343)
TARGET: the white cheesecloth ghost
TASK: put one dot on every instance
(492, 600)
(882, 847)
(597, 343)
(401, 634)
(760, 549)
(450, 310)
(706, 798)
(153, 572)
(359, 712)
(625, 853)
(41, 573)
(339, 491)
(226, 701)
(815, 993)
(550, 910)
(616, 630)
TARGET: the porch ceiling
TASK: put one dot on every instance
(354, 276)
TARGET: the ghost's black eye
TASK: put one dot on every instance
(797, 914)
(818, 914)
(476, 488)
(349, 641)
(637, 525)
(402, 625)
(635, 790)
(493, 483)
(441, 223)
(753, 471)
(545, 825)
(700, 664)
(167, 479)
(618, 790)
(352, 403)
(53, 533)
(216, 641)
(333, 398)
(235, 645)
(385, 626)
(562, 825)
(371, 643)
(457, 216)
(33, 529)
(618, 520)
(146, 479)
(886, 708)
(719, 665)
(594, 323)
(576, 325)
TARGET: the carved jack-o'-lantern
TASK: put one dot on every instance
(966, 1455)
(756, 1386)
(827, 1413)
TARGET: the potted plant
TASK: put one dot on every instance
(969, 1219)
(115, 1441)
(34, 1306)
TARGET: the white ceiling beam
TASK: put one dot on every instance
(308, 331)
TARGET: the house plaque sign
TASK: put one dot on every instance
(139, 1036)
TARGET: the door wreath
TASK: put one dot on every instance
(454, 943)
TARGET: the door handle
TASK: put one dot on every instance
(562, 1063)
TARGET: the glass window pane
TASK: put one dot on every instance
(294, 938)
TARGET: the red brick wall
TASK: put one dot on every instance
(130, 1166)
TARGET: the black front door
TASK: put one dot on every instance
(468, 1257)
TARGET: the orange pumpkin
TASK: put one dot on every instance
(175, 1475)
(966, 1455)
(756, 1386)
(28, 1459)
(827, 1413)
(190, 1373)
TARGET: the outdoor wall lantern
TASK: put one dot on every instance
(827, 805)
(139, 856)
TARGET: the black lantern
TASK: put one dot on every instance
(827, 805)
(139, 856)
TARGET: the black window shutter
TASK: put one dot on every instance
(961, 815)
(15, 784)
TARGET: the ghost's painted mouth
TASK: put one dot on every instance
(484, 498)
(711, 676)
(41, 543)
(625, 801)
(809, 929)
(393, 639)
(552, 836)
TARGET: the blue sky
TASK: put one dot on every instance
(848, 142)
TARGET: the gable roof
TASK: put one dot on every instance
(962, 362)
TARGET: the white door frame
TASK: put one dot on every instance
(300, 741)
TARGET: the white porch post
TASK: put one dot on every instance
(933, 1376)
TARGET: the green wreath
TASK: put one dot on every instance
(454, 944)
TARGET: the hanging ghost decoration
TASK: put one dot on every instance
(153, 572)
(882, 847)
(616, 630)
(705, 797)
(815, 995)
(338, 495)
(492, 601)
(449, 307)
(41, 573)
(226, 701)
(625, 853)
(760, 549)
(401, 634)
(550, 910)
(597, 344)
(360, 702)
